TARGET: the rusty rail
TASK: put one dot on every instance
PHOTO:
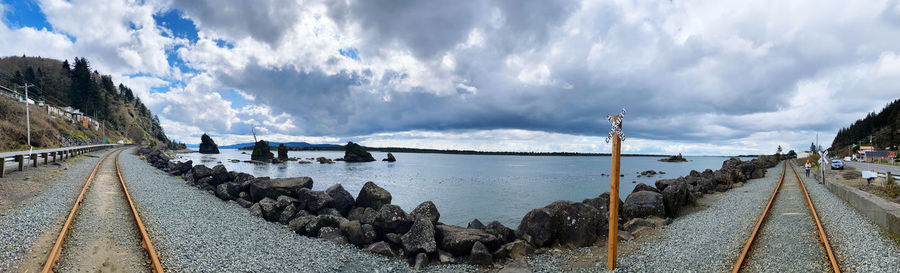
(822, 236)
(145, 239)
(55, 252)
(743, 256)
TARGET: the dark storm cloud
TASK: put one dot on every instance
(264, 20)
(560, 66)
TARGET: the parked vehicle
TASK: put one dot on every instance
(837, 164)
(847, 158)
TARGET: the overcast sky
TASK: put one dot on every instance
(698, 77)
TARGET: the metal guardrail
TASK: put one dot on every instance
(46, 154)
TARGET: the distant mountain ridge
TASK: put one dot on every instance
(271, 143)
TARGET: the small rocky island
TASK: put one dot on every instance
(282, 152)
(355, 153)
(390, 158)
(207, 145)
(262, 152)
(674, 158)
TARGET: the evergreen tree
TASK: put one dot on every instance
(18, 79)
(66, 67)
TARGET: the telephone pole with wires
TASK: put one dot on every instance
(27, 115)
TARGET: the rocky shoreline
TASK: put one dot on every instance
(370, 221)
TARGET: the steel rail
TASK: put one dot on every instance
(57, 247)
(746, 250)
(822, 236)
(821, 231)
(55, 252)
(145, 238)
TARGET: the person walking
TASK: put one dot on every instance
(808, 165)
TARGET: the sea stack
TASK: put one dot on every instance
(262, 152)
(207, 145)
(282, 152)
(355, 153)
(390, 158)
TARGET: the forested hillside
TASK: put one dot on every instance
(61, 84)
(883, 127)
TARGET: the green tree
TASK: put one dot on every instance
(792, 153)
(812, 148)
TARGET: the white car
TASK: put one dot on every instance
(837, 164)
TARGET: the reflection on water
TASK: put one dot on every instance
(487, 187)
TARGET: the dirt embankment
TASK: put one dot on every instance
(46, 131)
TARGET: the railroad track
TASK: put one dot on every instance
(56, 252)
(750, 246)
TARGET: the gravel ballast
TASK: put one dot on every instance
(104, 236)
(194, 231)
(21, 227)
(788, 240)
(858, 244)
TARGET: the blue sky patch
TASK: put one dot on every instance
(351, 53)
(236, 99)
(25, 13)
(180, 26)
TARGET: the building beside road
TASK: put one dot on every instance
(871, 156)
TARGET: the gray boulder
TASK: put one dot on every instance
(421, 261)
(287, 214)
(420, 238)
(536, 227)
(270, 211)
(298, 224)
(341, 199)
(357, 233)
(332, 234)
(642, 204)
(577, 225)
(426, 210)
(321, 221)
(365, 215)
(480, 255)
(220, 175)
(677, 196)
(514, 249)
(644, 187)
(373, 196)
(227, 191)
(382, 248)
(476, 224)
(504, 233)
(459, 241)
(262, 187)
(329, 211)
(314, 200)
(201, 171)
(392, 219)
(256, 210)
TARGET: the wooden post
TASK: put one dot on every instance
(34, 160)
(2, 166)
(614, 199)
(21, 160)
(44, 155)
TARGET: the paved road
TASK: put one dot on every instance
(871, 166)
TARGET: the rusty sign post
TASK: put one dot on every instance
(617, 136)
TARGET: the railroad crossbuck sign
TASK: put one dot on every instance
(617, 136)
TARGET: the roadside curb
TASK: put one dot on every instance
(883, 213)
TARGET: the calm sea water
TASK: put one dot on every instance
(464, 187)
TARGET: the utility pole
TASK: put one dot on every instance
(27, 116)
